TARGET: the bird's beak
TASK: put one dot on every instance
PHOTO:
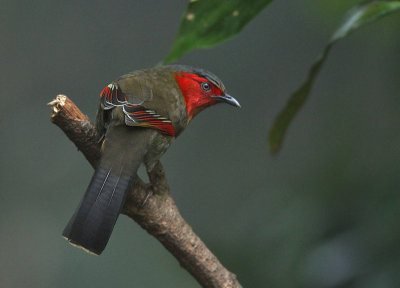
(227, 99)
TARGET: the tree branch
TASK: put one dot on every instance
(157, 214)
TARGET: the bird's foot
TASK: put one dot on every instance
(148, 195)
(101, 138)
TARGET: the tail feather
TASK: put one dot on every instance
(92, 224)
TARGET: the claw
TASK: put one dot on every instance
(148, 195)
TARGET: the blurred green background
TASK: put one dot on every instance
(324, 212)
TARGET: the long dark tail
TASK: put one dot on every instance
(92, 224)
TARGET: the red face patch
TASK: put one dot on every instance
(197, 92)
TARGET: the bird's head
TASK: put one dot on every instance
(201, 89)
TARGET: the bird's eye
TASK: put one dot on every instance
(205, 86)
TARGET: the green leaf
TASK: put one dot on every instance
(209, 22)
(356, 18)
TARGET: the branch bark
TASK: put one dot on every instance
(159, 216)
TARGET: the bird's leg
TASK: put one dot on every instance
(158, 180)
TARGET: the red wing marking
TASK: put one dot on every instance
(112, 96)
(140, 116)
(135, 115)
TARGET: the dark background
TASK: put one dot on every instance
(323, 213)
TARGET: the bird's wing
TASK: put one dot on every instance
(112, 96)
(135, 114)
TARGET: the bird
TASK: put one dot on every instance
(139, 115)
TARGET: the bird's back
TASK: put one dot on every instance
(157, 90)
